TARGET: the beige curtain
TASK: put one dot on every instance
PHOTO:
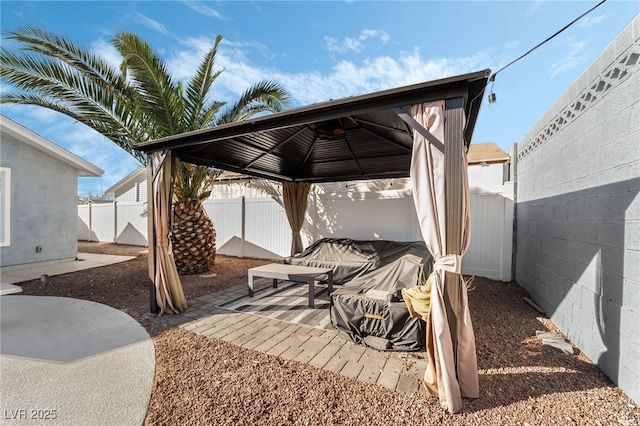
(169, 295)
(452, 372)
(295, 196)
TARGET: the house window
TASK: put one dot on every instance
(5, 206)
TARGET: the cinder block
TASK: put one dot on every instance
(611, 314)
(630, 320)
(612, 288)
(608, 363)
(617, 174)
(606, 58)
(630, 382)
(623, 42)
(611, 339)
(611, 234)
(631, 294)
(624, 95)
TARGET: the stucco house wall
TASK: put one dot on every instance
(42, 197)
(578, 211)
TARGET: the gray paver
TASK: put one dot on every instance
(388, 379)
(323, 349)
(351, 369)
(315, 344)
(373, 366)
(251, 344)
(326, 354)
(335, 364)
(278, 349)
(306, 355)
(351, 351)
(290, 353)
(407, 384)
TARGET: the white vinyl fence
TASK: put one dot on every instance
(258, 227)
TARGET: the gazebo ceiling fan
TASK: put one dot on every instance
(330, 130)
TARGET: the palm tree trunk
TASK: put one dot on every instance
(193, 238)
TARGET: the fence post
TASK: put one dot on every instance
(243, 219)
(115, 221)
(90, 220)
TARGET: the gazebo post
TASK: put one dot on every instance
(457, 241)
(151, 244)
(454, 144)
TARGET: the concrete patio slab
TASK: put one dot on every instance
(70, 362)
(84, 261)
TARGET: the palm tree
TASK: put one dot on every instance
(138, 102)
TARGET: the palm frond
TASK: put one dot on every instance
(260, 97)
(148, 73)
(119, 135)
(136, 102)
(198, 90)
(47, 44)
(193, 183)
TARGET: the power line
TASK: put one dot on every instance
(493, 76)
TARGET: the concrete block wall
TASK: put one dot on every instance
(578, 211)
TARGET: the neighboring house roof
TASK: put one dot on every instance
(125, 181)
(486, 153)
(21, 133)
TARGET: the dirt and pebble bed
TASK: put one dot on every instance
(203, 381)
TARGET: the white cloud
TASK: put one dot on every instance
(349, 44)
(351, 79)
(202, 9)
(108, 52)
(346, 78)
(534, 7)
(590, 21)
(573, 58)
(152, 24)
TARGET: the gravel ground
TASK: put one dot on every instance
(203, 381)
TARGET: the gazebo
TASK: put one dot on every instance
(420, 131)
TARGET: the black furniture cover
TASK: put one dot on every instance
(353, 258)
(368, 307)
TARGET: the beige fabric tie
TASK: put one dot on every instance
(449, 263)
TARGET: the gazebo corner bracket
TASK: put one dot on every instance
(419, 128)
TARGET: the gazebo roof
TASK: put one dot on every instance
(360, 137)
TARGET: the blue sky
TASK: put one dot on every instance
(333, 49)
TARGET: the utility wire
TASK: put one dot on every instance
(493, 76)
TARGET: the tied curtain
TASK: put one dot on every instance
(169, 294)
(295, 197)
(452, 372)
